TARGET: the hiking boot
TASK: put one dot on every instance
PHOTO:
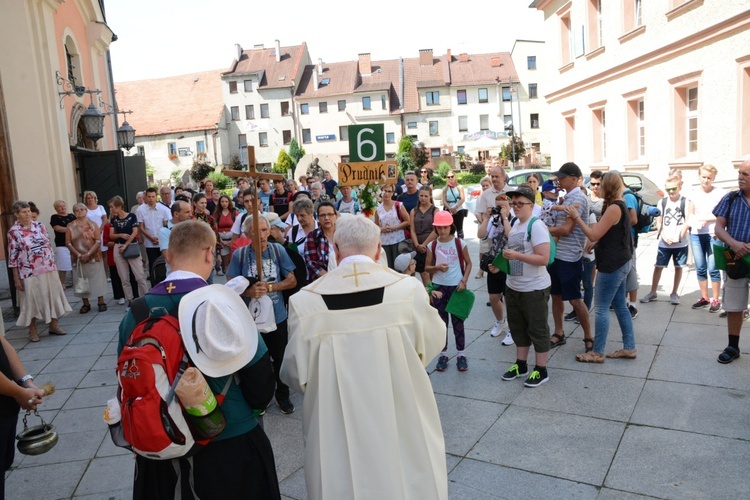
(514, 372)
(462, 364)
(729, 355)
(536, 379)
(715, 306)
(285, 406)
(571, 316)
(701, 303)
(442, 363)
(649, 297)
(674, 299)
(633, 311)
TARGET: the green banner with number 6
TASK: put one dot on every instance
(367, 142)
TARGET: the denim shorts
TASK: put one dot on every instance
(678, 255)
(566, 278)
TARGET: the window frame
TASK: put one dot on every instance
(532, 120)
(344, 133)
(264, 111)
(465, 124)
(283, 105)
(248, 85)
(465, 100)
(533, 91)
(251, 114)
(322, 107)
(342, 105)
(531, 63)
(366, 103)
(233, 87)
(486, 98)
(306, 136)
(430, 96)
(263, 139)
(234, 113)
(434, 124)
(304, 108)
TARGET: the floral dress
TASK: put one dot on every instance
(29, 250)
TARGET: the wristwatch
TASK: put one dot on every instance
(25, 378)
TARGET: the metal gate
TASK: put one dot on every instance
(110, 173)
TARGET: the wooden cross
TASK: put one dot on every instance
(255, 176)
(355, 275)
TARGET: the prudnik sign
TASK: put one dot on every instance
(367, 154)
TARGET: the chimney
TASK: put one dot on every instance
(495, 61)
(464, 57)
(365, 68)
(425, 57)
(278, 51)
(238, 49)
(320, 66)
(448, 53)
(314, 76)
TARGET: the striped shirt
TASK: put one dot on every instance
(570, 248)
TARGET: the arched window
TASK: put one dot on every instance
(73, 63)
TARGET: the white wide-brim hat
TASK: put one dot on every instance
(217, 329)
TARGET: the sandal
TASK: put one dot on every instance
(589, 345)
(57, 331)
(560, 340)
(102, 307)
(34, 336)
(623, 353)
(590, 357)
(84, 309)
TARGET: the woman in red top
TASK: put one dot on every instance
(224, 217)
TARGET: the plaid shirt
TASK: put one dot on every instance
(739, 219)
(316, 252)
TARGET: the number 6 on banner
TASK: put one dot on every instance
(368, 144)
(361, 142)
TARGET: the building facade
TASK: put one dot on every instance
(179, 119)
(648, 86)
(51, 47)
(529, 59)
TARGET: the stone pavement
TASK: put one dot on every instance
(673, 423)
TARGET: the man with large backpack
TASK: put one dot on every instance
(238, 462)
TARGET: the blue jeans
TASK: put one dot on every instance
(610, 289)
(588, 282)
(703, 256)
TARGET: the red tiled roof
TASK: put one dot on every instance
(342, 77)
(275, 74)
(176, 104)
(478, 70)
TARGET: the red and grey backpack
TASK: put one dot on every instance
(148, 370)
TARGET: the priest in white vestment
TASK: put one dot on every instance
(360, 338)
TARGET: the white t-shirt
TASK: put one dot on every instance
(525, 277)
(704, 206)
(153, 219)
(95, 216)
(446, 253)
(672, 223)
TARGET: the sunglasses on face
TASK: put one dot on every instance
(594, 184)
(671, 190)
(519, 204)
(451, 177)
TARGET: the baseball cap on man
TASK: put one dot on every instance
(403, 261)
(524, 191)
(568, 169)
(275, 220)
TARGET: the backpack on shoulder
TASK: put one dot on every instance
(154, 422)
(646, 214)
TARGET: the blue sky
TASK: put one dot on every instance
(159, 38)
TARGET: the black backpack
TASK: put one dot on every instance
(644, 211)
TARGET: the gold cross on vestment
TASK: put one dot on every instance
(170, 287)
(254, 175)
(355, 275)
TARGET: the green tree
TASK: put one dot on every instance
(283, 163)
(420, 156)
(404, 157)
(295, 153)
(221, 181)
(200, 170)
(506, 151)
